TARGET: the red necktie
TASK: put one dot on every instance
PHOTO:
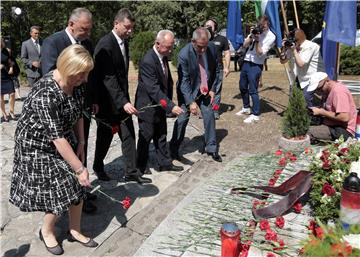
(204, 85)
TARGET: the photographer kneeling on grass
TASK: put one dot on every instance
(339, 110)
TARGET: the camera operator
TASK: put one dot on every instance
(259, 42)
(304, 59)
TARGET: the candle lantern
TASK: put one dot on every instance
(350, 202)
(230, 240)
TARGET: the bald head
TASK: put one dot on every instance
(300, 36)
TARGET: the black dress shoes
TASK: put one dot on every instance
(215, 156)
(91, 243)
(145, 171)
(171, 167)
(89, 207)
(137, 178)
(56, 250)
(102, 176)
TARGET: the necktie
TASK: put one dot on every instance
(204, 84)
(37, 46)
(166, 73)
(123, 51)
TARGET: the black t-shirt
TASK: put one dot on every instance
(221, 44)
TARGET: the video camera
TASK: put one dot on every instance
(290, 39)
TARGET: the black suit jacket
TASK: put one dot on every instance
(110, 77)
(53, 46)
(152, 87)
(51, 49)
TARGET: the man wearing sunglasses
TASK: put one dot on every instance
(339, 110)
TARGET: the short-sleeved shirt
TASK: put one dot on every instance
(340, 100)
(221, 44)
(267, 41)
(310, 55)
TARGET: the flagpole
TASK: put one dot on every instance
(284, 17)
(296, 15)
(337, 61)
(288, 75)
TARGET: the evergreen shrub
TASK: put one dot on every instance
(296, 120)
(350, 60)
(140, 44)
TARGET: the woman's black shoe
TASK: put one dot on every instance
(56, 250)
(91, 243)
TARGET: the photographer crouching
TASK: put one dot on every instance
(304, 59)
(259, 42)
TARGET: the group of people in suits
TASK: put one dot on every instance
(107, 91)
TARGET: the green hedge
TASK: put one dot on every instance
(349, 60)
(140, 44)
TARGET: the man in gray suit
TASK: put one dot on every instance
(198, 72)
(30, 55)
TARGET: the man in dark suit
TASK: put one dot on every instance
(77, 32)
(155, 86)
(30, 55)
(111, 82)
(198, 71)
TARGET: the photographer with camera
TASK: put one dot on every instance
(304, 59)
(259, 42)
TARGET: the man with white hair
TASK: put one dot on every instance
(339, 111)
(155, 87)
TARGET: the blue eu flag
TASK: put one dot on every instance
(234, 24)
(339, 26)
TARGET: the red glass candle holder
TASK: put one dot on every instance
(230, 240)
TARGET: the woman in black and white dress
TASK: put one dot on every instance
(48, 175)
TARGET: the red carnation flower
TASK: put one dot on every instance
(270, 255)
(297, 207)
(126, 202)
(312, 226)
(280, 222)
(279, 152)
(246, 246)
(244, 253)
(215, 107)
(278, 172)
(293, 158)
(282, 161)
(115, 129)
(270, 235)
(344, 151)
(264, 224)
(272, 182)
(328, 189)
(163, 103)
(204, 90)
(288, 155)
(319, 233)
(281, 245)
(326, 165)
(307, 150)
(325, 155)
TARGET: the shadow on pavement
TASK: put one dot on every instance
(19, 252)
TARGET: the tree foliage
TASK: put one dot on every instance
(140, 44)
(350, 60)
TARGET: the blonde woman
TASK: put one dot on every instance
(48, 175)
